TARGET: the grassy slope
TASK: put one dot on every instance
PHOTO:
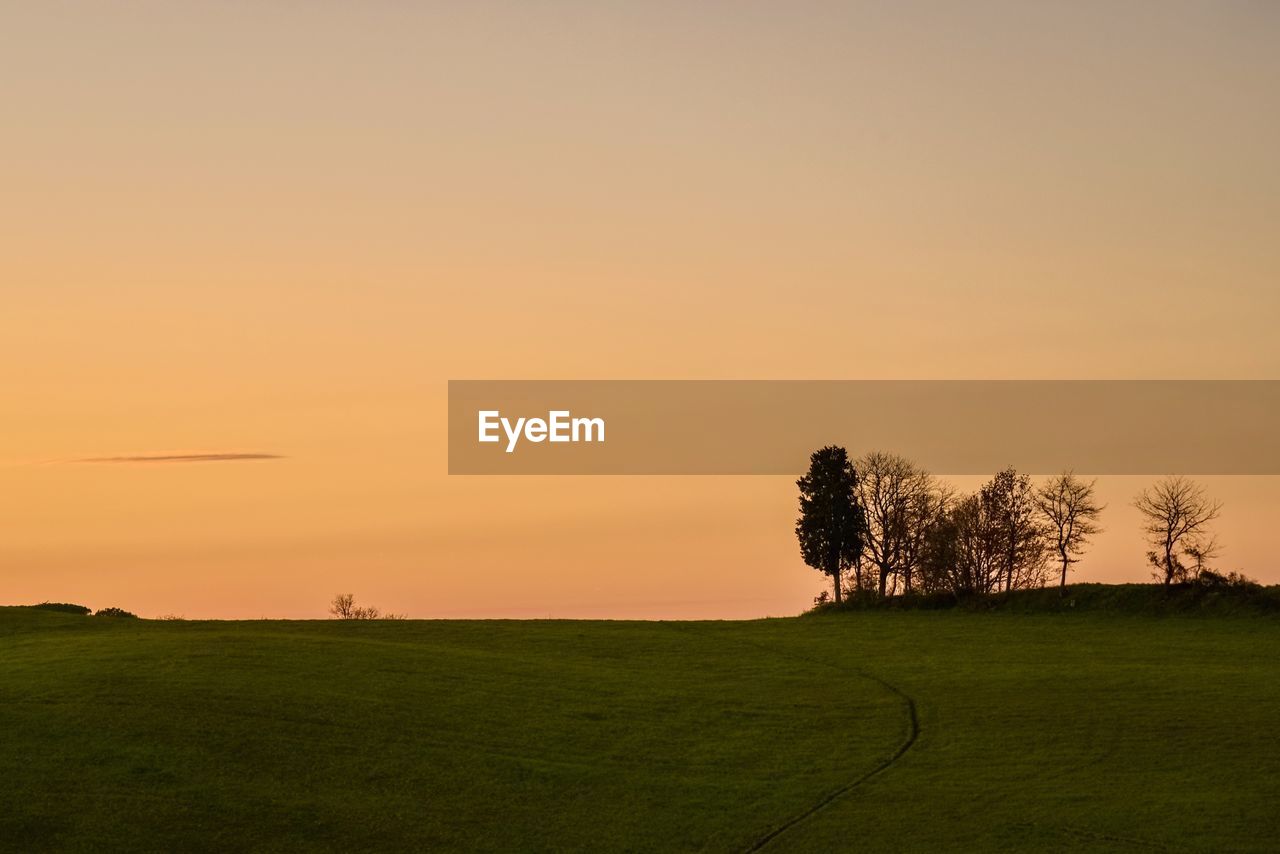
(1084, 731)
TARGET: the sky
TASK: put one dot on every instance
(279, 229)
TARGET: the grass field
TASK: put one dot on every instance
(904, 731)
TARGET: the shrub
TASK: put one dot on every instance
(63, 607)
(114, 612)
(1209, 578)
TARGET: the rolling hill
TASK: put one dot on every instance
(880, 731)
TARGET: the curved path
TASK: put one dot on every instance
(913, 732)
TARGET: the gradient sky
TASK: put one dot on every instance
(279, 228)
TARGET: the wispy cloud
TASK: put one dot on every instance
(179, 458)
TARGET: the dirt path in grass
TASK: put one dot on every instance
(913, 732)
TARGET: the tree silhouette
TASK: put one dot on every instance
(1010, 502)
(832, 524)
(966, 549)
(901, 501)
(344, 607)
(1067, 504)
(1176, 516)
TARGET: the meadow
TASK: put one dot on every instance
(880, 731)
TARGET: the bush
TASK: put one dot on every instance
(63, 607)
(1209, 578)
(114, 612)
(1230, 594)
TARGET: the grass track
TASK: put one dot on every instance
(875, 731)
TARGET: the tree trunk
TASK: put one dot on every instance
(836, 577)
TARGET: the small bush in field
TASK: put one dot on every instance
(63, 607)
(114, 612)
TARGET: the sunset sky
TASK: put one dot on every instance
(280, 228)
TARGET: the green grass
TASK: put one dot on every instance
(1079, 731)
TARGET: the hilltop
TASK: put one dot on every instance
(1200, 599)
(884, 731)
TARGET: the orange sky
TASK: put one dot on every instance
(281, 228)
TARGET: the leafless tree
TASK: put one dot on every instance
(901, 501)
(1201, 554)
(344, 607)
(1010, 503)
(1067, 506)
(968, 548)
(1176, 515)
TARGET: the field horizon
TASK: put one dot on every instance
(884, 730)
(640, 427)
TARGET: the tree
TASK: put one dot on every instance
(963, 549)
(979, 546)
(832, 524)
(344, 607)
(1200, 555)
(901, 500)
(1068, 508)
(1176, 517)
(1010, 503)
(940, 555)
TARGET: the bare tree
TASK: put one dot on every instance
(344, 607)
(1201, 554)
(965, 549)
(928, 510)
(1176, 517)
(940, 557)
(902, 500)
(1011, 505)
(1067, 505)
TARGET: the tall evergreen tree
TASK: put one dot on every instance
(833, 524)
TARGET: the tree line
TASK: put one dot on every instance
(881, 525)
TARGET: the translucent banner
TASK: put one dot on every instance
(769, 427)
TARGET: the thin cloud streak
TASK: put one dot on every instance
(180, 458)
